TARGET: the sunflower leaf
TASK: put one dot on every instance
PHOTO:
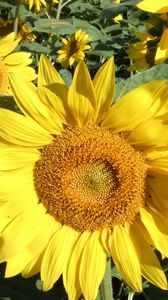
(54, 26)
(158, 72)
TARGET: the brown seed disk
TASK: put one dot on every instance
(89, 178)
(3, 78)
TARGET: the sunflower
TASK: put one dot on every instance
(82, 178)
(54, 2)
(142, 55)
(36, 3)
(15, 64)
(73, 48)
(119, 17)
(159, 7)
(24, 31)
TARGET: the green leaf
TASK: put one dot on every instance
(106, 53)
(155, 293)
(66, 76)
(57, 27)
(8, 103)
(115, 273)
(158, 72)
(34, 47)
(5, 4)
(23, 12)
(94, 33)
(117, 8)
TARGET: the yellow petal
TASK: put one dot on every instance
(30, 104)
(33, 267)
(16, 264)
(135, 106)
(8, 44)
(92, 266)
(71, 273)
(55, 95)
(159, 165)
(159, 193)
(22, 131)
(150, 266)
(150, 133)
(162, 49)
(21, 231)
(12, 209)
(56, 256)
(164, 39)
(104, 82)
(14, 158)
(47, 74)
(18, 58)
(18, 185)
(125, 257)
(157, 228)
(105, 239)
(152, 154)
(26, 73)
(154, 6)
(81, 98)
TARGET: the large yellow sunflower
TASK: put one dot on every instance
(159, 7)
(82, 177)
(73, 48)
(15, 63)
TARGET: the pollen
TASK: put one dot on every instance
(90, 178)
(4, 83)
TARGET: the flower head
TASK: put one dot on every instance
(15, 63)
(55, 2)
(24, 31)
(154, 6)
(36, 3)
(117, 19)
(83, 177)
(73, 48)
(141, 53)
(159, 7)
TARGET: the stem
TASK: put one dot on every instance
(50, 6)
(68, 1)
(105, 290)
(120, 291)
(59, 9)
(15, 24)
(131, 295)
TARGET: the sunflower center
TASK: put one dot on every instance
(90, 178)
(73, 47)
(3, 78)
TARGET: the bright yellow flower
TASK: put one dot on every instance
(15, 64)
(159, 7)
(82, 178)
(24, 32)
(36, 3)
(154, 6)
(118, 18)
(73, 48)
(55, 1)
(142, 56)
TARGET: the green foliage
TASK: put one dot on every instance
(57, 27)
(158, 72)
